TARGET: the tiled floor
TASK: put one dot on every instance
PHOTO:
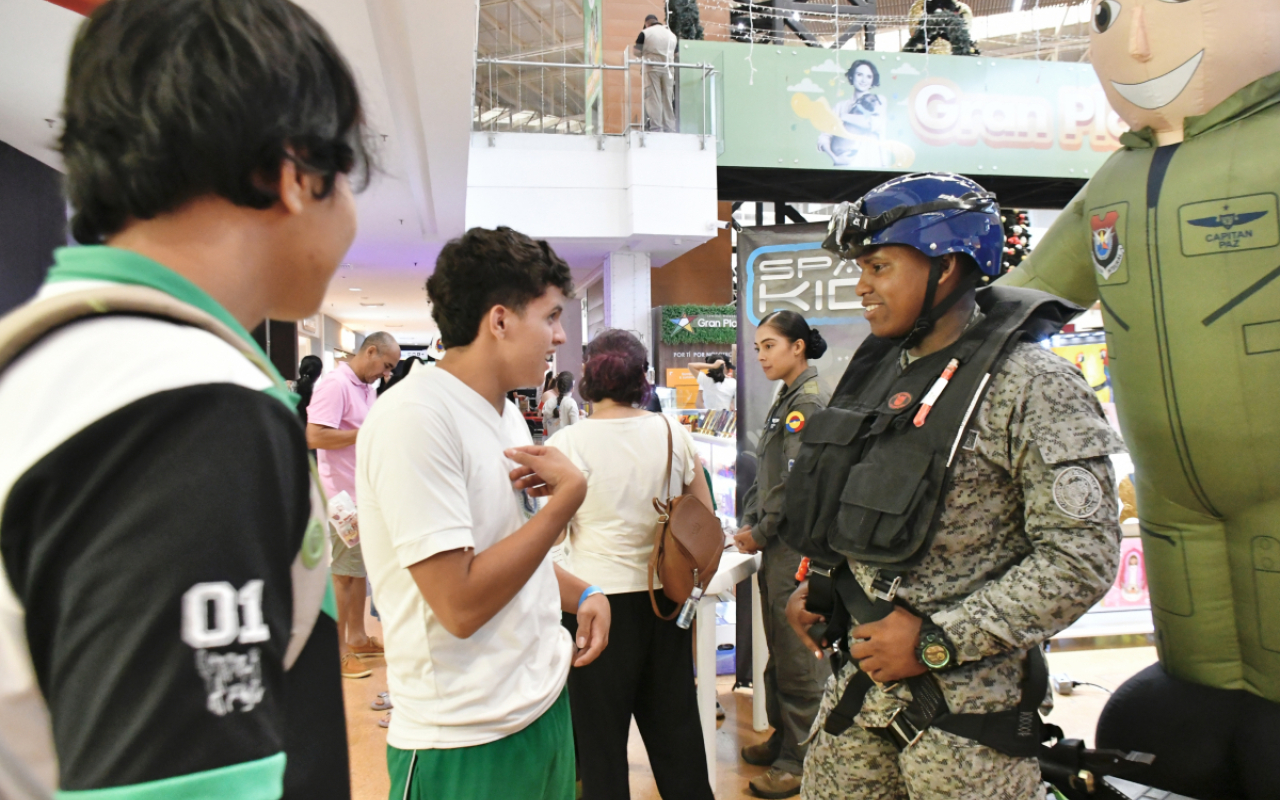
(1076, 714)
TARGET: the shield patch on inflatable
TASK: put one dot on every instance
(1105, 246)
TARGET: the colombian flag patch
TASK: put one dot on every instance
(795, 422)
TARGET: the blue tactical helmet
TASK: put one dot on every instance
(935, 212)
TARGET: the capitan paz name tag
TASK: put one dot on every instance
(1229, 225)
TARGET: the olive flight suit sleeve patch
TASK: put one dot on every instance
(772, 498)
(1058, 443)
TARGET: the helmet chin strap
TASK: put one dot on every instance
(930, 313)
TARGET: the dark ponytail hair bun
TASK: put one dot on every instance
(564, 385)
(718, 373)
(815, 345)
(794, 328)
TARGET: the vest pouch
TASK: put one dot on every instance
(887, 505)
(830, 426)
(829, 447)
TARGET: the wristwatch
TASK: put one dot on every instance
(935, 650)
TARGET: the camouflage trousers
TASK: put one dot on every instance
(859, 765)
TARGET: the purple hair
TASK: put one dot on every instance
(615, 369)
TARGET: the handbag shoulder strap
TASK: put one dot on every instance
(671, 449)
(653, 570)
(664, 509)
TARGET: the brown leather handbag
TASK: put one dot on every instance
(688, 543)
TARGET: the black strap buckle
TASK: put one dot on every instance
(903, 731)
(883, 588)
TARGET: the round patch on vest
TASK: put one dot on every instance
(900, 401)
(1077, 492)
(795, 422)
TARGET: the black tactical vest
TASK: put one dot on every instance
(868, 483)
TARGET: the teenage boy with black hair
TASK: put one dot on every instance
(163, 548)
(477, 659)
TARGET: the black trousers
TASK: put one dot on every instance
(645, 672)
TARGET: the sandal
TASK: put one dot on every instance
(383, 703)
(385, 722)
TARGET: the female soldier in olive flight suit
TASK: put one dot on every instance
(793, 678)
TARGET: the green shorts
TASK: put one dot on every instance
(348, 561)
(534, 764)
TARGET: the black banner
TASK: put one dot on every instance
(784, 267)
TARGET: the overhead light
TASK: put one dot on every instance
(353, 289)
(373, 305)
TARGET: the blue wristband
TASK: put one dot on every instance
(587, 592)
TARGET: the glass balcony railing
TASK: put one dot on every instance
(514, 95)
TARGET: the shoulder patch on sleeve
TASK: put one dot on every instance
(795, 421)
(1076, 492)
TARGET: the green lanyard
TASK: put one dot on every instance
(103, 263)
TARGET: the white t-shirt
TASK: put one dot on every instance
(611, 536)
(432, 478)
(717, 395)
(568, 416)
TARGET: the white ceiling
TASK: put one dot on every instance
(416, 201)
(414, 61)
(35, 44)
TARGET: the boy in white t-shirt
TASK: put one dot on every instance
(470, 600)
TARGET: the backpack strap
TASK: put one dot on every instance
(31, 322)
(22, 328)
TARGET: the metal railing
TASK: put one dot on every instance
(567, 98)
(1028, 29)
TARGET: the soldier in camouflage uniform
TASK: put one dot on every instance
(1027, 538)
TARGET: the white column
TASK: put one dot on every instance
(627, 302)
(569, 355)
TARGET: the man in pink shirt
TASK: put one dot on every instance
(334, 416)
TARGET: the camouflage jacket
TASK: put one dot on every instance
(1028, 538)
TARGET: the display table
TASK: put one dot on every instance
(720, 455)
(734, 567)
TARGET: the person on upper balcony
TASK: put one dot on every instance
(656, 46)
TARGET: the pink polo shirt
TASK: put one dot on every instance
(341, 401)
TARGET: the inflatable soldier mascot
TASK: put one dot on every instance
(957, 504)
(1178, 235)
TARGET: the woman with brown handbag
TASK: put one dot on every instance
(647, 669)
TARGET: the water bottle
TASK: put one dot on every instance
(690, 608)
